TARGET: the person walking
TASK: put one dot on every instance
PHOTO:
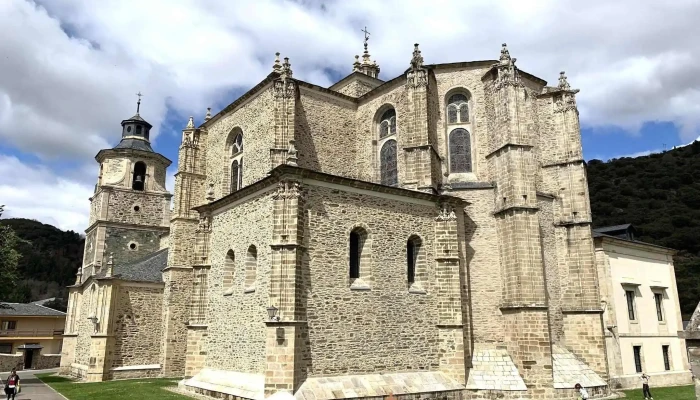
(645, 387)
(582, 393)
(12, 385)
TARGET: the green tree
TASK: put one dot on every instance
(9, 258)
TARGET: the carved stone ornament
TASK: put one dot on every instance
(210, 192)
(204, 223)
(506, 70)
(418, 75)
(292, 154)
(190, 123)
(287, 189)
(563, 82)
(284, 88)
(565, 102)
(446, 214)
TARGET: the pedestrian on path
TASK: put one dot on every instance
(645, 387)
(582, 393)
(12, 385)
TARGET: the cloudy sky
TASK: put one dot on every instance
(70, 69)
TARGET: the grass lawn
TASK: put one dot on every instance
(142, 389)
(667, 393)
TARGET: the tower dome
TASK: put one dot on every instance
(136, 132)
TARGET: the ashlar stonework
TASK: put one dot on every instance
(286, 265)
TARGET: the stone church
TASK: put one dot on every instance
(426, 236)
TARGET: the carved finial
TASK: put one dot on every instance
(505, 54)
(277, 66)
(210, 192)
(417, 59)
(367, 67)
(286, 71)
(356, 65)
(79, 276)
(366, 37)
(190, 123)
(563, 82)
(208, 116)
(292, 154)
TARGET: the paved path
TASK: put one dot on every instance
(34, 389)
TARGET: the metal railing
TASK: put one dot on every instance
(30, 333)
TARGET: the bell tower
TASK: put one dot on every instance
(130, 208)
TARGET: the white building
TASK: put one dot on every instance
(642, 313)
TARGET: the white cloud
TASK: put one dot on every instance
(36, 192)
(70, 69)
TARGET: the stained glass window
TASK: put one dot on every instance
(234, 176)
(389, 170)
(387, 126)
(384, 129)
(458, 109)
(460, 151)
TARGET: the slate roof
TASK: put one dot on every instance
(147, 269)
(28, 310)
(612, 228)
(135, 144)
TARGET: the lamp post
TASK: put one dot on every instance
(272, 313)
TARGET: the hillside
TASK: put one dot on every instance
(660, 195)
(49, 261)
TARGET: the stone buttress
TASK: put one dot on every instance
(285, 97)
(563, 171)
(190, 181)
(512, 167)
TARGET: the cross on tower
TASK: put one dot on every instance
(366, 36)
(138, 103)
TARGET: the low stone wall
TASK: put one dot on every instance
(671, 378)
(46, 361)
(135, 373)
(9, 361)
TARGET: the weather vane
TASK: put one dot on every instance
(366, 36)
(138, 103)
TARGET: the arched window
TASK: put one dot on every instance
(237, 145)
(415, 265)
(251, 265)
(387, 124)
(229, 271)
(139, 179)
(460, 151)
(412, 247)
(358, 237)
(458, 109)
(139, 130)
(235, 175)
(388, 167)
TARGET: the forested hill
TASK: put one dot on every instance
(49, 261)
(660, 195)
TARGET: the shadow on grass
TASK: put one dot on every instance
(50, 378)
(137, 389)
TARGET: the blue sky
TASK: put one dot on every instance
(71, 70)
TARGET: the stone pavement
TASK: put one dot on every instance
(33, 388)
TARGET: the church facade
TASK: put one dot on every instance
(426, 236)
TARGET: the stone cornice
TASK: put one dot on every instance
(107, 223)
(634, 244)
(564, 162)
(131, 153)
(509, 145)
(110, 188)
(283, 172)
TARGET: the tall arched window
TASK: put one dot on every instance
(388, 164)
(412, 247)
(235, 176)
(237, 145)
(229, 273)
(139, 179)
(460, 151)
(251, 265)
(387, 124)
(415, 264)
(358, 237)
(458, 109)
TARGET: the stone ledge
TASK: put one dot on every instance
(136, 367)
(239, 384)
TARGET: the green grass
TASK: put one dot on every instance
(142, 389)
(666, 393)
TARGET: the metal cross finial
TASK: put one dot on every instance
(366, 36)
(138, 103)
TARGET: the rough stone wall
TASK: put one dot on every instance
(583, 335)
(9, 361)
(325, 134)
(137, 326)
(355, 88)
(123, 206)
(255, 119)
(551, 266)
(90, 247)
(117, 241)
(83, 327)
(386, 327)
(175, 314)
(241, 346)
(470, 80)
(367, 131)
(46, 361)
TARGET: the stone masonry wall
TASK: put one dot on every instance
(382, 329)
(239, 346)
(355, 88)
(82, 326)
(118, 241)
(325, 134)
(133, 207)
(255, 119)
(9, 361)
(583, 336)
(137, 326)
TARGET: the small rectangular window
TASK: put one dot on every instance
(630, 304)
(638, 358)
(667, 361)
(5, 348)
(659, 299)
(9, 325)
